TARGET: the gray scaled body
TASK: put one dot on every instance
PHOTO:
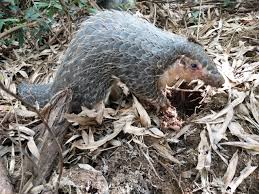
(113, 43)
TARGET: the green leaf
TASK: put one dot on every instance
(11, 20)
(56, 4)
(41, 4)
(10, 1)
(92, 10)
(21, 37)
(51, 12)
(13, 8)
(1, 25)
(32, 14)
(195, 14)
(82, 3)
(7, 21)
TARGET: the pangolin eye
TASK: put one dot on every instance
(194, 66)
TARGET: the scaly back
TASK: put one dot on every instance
(114, 43)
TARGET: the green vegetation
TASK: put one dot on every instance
(28, 18)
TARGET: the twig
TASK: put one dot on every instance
(174, 177)
(94, 4)
(21, 153)
(5, 33)
(5, 183)
(51, 40)
(199, 21)
(67, 14)
(185, 90)
(45, 124)
(150, 163)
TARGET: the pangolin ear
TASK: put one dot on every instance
(194, 40)
(182, 61)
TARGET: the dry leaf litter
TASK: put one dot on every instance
(121, 148)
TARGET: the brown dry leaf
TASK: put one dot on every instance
(87, 167)
(218, 25)
(126, 117)
(157, 132)
(141, 131)
(79, 120)
(50, 113)
(84, 179)
(23, 73)
(89, 143)
(249, 146)
(22, 129)
(110, 113)
(223, 127)
(243, 174)
(100, 112)
(5, 108)
(250, 120)
(4, 150)
(25, 113)
(124, 88)
(143, 115)
(33, 148)
(139, 142)
(227, 69)
(242, 109)
(95, 145)
(72, 138)
(90, 116)
(165, 151)
(204, 161)
(175, 138)
(209, 118)
(254, 105)
(231, 170)
(36, 75)
(204, 157)
(218, 131)
(35, 190)
(97, 112)
(6, 186)
(125, 122)
(115, 143)
(237, 130)
(135, 130)
(87, 138)
(211, 132)
(11, 86)
(12, 161)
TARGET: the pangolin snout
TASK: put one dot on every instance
(215, 80)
